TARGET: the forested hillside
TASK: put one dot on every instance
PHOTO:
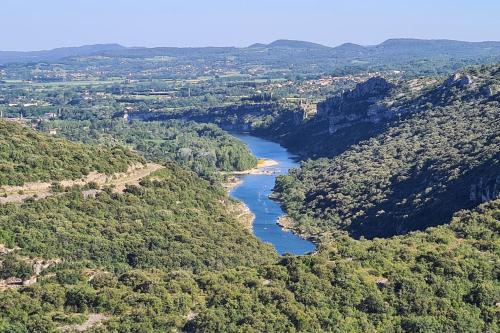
(172, 220)
(65, 249)
(28, 156)
(204, 148)
(442, 156)
(441, 280)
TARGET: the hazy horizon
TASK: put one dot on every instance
(176, 23)
(244, 46)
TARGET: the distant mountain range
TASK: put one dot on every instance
(290, 44)
(389, 49)
(59, 53)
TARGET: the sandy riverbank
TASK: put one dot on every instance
(234, 178)
(259, 169)
(231, 182)
(286, 223)
(241, 213)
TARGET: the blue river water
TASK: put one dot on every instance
(254, 192)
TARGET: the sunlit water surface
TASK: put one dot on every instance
(254, 192)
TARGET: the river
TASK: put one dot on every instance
(254, 191)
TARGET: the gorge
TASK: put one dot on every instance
(254, 191)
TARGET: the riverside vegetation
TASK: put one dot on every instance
(204, 148)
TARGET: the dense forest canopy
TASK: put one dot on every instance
(172, 220)
(444, 279)
(204, 148)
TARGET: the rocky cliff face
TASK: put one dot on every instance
(377, 101)
(245, 117)
(485, 188)
(362, 104)
(465, 86)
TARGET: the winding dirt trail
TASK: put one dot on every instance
(39, 190)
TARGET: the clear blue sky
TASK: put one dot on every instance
(44, 24)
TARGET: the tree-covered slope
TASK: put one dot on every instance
(441, 157)
(204, 148)
(29, 156)
(172, 220)
(442, 280)
(169, 226)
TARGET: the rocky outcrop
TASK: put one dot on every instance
(362, 104)
(6, 250)
(38, 266)
(373, 87)
(242, 117)
(490, 90)
(461, 81)
(485, 189)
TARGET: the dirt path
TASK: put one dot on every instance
(93, 320)
(133, 178)
(43, 190)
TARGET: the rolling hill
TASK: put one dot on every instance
(287, 52)
(289, 44)
(29, 156)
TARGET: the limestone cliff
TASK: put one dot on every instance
(362, 104)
